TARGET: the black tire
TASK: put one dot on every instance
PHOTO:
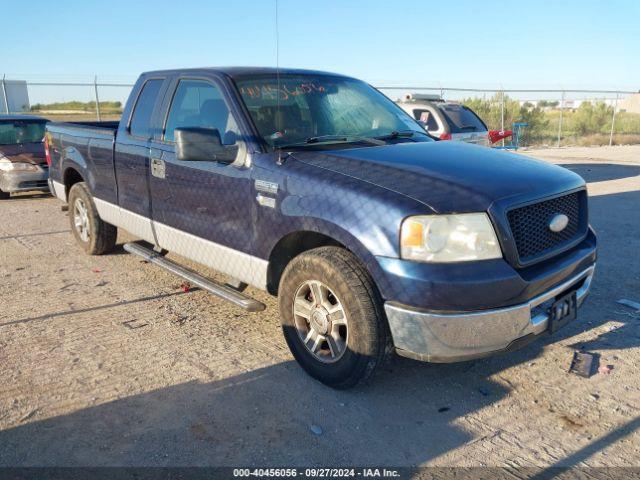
(4, 195)
(101, 237)
(368, 339)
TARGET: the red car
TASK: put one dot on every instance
(22, 160)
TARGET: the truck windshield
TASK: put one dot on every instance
(320, 109)
(15, 132)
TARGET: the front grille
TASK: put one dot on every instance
(530, 225)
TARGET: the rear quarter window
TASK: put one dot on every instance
(425, 116)
(140, 125)
(462, 119)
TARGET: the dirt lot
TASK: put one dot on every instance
(106, 361)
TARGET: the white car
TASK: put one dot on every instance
(446, 120)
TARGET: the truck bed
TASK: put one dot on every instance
(84, 129)
(84, 147)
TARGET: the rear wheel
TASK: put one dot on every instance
(4, 195)
(332, 317)
(94, 235)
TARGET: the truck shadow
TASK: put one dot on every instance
(263, 417)
(410, 414)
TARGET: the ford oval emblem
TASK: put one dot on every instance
(558, 222)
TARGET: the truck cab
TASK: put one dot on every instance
(320, 190)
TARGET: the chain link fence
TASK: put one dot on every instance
(554, 118)
(67, 98)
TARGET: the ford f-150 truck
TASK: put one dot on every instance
(319, 189)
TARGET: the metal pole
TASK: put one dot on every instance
(95, 88)
(502, 113)
(613, 120)
(560, 121)
(4, 93)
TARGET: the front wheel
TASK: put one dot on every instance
(93, 234)
(332, 317)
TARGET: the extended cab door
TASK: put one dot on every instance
(205, 210)
(131, 160)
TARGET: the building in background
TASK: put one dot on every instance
(630, 104)
(14, 96)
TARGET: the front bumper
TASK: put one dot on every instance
(24, 181)
(452, 337)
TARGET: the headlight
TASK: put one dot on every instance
(449, 238)
(9, 166)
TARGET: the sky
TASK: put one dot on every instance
(475, 44)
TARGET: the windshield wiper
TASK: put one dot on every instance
(343, 138)
(468, 127)
(400, 134)
(331, 139)
(327, 138)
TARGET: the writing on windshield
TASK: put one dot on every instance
(270, 91)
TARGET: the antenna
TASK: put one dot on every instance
(277, 69)
(277, 122)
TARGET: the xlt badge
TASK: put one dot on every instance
(266, 187)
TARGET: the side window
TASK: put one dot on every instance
(426, 117)
(140, 125)
(198, 103)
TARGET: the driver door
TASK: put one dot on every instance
(203, 210)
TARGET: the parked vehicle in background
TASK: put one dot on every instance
(318, 189)
(446, 120)
(22, 157)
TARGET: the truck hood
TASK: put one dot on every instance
(26, 153)
(448, 176)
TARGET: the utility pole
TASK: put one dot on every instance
(502, 113)
(613, 119)
(4, 94)
(560, 121)
(95, 88)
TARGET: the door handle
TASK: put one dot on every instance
(157, 167)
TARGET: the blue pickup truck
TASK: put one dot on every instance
(319, 189)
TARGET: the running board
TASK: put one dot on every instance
(225, 292)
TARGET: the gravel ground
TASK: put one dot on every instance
(106, 361)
